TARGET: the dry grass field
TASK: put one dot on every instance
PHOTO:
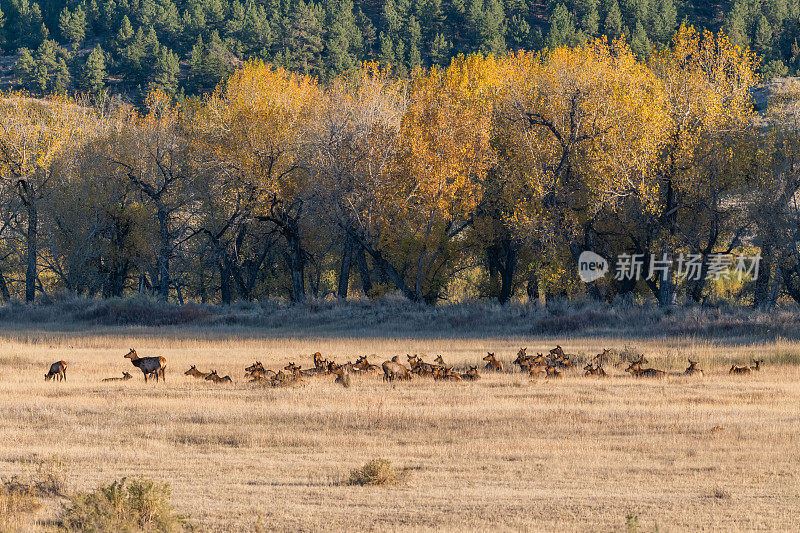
(713, 453)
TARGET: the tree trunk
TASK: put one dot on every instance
(344, 270)
(164, 254)
(363, 271)
(296, 267)
(4, 288)
(224, 284)
(762, 293)
(33, 235)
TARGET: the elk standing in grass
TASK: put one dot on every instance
(692, 369)
(125, 377)
(58, 371)
(493, 363)
(195, 373)
(393, 370)
(148, 365)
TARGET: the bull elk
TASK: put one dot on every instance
(148, 365)
(692, 369)
(125, 376)
(58, 371)
(493, 363)
(195, 373)
(213, 376)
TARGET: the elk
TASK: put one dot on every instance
(692, 369)
(439, 360)
(420, 367)
(195, 373)
(736, 369)
(757, 365)
(58, 371)
(471, 374)
(319, 362)
(523, 360)
(493, 363)
(445, 373)
(557, 351)
(602, 358)
(213, 376)
(538, 370)
(552, 372)
(592, 370)
(393, 370)
(148, 365)
(362, 365)
(562, 361)
(638, 372)
(125, 377)
(256, 367)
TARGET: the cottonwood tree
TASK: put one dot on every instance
(256, 126)
(33, 134)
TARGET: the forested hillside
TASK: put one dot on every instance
(130, 47)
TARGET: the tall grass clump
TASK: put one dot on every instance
(124, 505)
(17, 505)
(375, 472)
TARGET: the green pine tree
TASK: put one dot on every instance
(93, 76)
(562, 30)
(165, 72)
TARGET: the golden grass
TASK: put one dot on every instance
(503, 452)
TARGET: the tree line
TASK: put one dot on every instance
(485, 178)
(129, 48)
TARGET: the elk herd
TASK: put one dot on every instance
(552, 365)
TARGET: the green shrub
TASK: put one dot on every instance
(124, 505)
(375, 472)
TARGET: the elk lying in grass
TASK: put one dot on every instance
(637, 371)
(594, 370)
(420, 367)
(195, 373)
(148, 365)
(737, 369)
(493, 363)
(439, 360)
(602, 358)
(523, 360)
(552, 372)
(538, 370)
(756, 365)
(692, 369)
(362, 365)
(57, 372)
(125, 377)
(213, 376)
(471, 374)
(255, 368)
(443, 373)
(393, 370)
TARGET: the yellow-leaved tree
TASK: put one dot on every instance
(253, 134)
(34, 133)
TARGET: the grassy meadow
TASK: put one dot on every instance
(614, 454)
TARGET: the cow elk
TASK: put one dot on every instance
(125, 377)
(592, 370)
(58, 371)
(195, 373)
(637, 371)
(493, 363)
(393, 370)
(756, 365)
(692, 369)
(148, 365)
(736, 369)
(213, 376)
